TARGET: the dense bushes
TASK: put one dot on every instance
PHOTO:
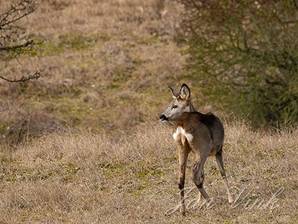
(245, 55)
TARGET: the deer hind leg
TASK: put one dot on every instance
(183, 154)
(198, 176)
(220, 164)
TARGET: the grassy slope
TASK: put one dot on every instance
(104, 63)
(106, 66)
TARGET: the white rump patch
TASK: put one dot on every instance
(180, 131)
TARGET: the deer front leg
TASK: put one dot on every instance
(183, 154)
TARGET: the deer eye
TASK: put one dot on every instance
(174, 107)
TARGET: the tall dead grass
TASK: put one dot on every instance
(88, 178)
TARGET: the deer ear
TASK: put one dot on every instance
(184, 92)
(174, 95)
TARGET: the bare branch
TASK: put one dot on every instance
(15, 47)
(16, 13)
(33, 76)
(11, 35)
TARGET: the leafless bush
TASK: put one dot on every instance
(12, 35)
(13, 38)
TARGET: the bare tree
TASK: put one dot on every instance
(12, 36)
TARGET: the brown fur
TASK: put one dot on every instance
(200, 133)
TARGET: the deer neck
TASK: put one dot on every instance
(191, 108)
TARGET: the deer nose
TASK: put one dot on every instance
(162, 117)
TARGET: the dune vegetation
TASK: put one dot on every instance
(83, 144)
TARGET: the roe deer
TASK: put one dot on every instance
(200, 133)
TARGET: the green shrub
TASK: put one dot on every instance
(245, 55)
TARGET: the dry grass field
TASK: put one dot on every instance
(83, 143)
(89, 178)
